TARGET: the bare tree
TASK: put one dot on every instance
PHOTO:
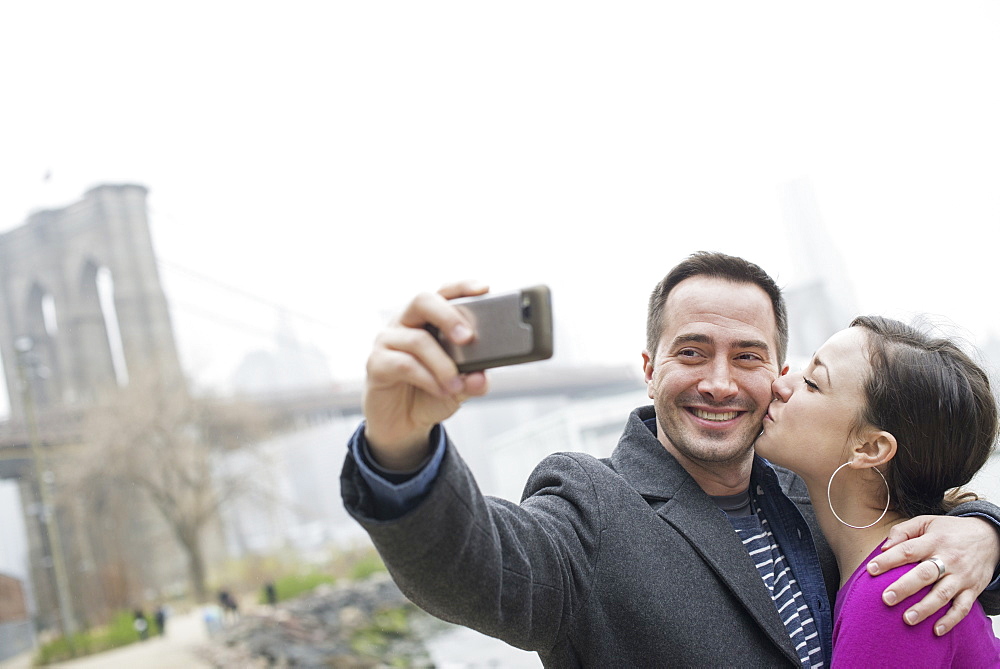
(158, 439)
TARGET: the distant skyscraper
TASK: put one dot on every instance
(820, 296)
(291, 365)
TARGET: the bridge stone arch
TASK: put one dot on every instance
(95, 327)
(50, 274)
(40, 328)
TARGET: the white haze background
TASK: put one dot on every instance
(334, 158)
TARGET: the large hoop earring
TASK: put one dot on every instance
(830, 502)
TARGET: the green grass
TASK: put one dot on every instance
(365, 567)
(355, 567)
(375, 639)
(293, 585)
(118, 633)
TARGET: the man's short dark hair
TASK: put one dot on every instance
(719, 266)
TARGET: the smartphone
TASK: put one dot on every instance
(511, 328)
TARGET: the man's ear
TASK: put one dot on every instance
(647, 373)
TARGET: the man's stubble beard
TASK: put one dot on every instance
(686, 439)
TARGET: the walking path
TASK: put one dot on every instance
(177, 650)
(459, 649)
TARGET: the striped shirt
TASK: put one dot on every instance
(755, 533)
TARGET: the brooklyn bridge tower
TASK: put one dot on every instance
(81, 309)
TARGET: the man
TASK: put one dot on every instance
(633, 560)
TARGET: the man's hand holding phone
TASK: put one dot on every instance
(413, 384)
(429, 361)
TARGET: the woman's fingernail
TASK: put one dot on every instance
(939, 630)
(911, 617)
(460, 333)
(889, 598)
(456, 385)
(873, 568)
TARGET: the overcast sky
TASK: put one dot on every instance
(334, 158)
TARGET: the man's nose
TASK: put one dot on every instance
(718, 382)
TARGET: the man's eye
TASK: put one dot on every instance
(811, 384)
(748, 356)
(687, 353)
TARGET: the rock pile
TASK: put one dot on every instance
(362, 625)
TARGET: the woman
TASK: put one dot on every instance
(882, 424)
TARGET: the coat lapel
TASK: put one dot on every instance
(656, 475)
(712, 536)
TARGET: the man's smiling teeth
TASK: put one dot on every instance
(707, 415)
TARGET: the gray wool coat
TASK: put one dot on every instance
(590, 570)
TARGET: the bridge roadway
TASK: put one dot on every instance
(289, 411)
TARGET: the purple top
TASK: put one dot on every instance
(867, 633)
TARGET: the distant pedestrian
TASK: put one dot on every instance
(230, 609)
(213, 619)
(140, 624)
(160, 616)
(270, 593)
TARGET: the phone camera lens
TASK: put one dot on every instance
(526, 308)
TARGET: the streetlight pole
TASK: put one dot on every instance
(23, 345)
